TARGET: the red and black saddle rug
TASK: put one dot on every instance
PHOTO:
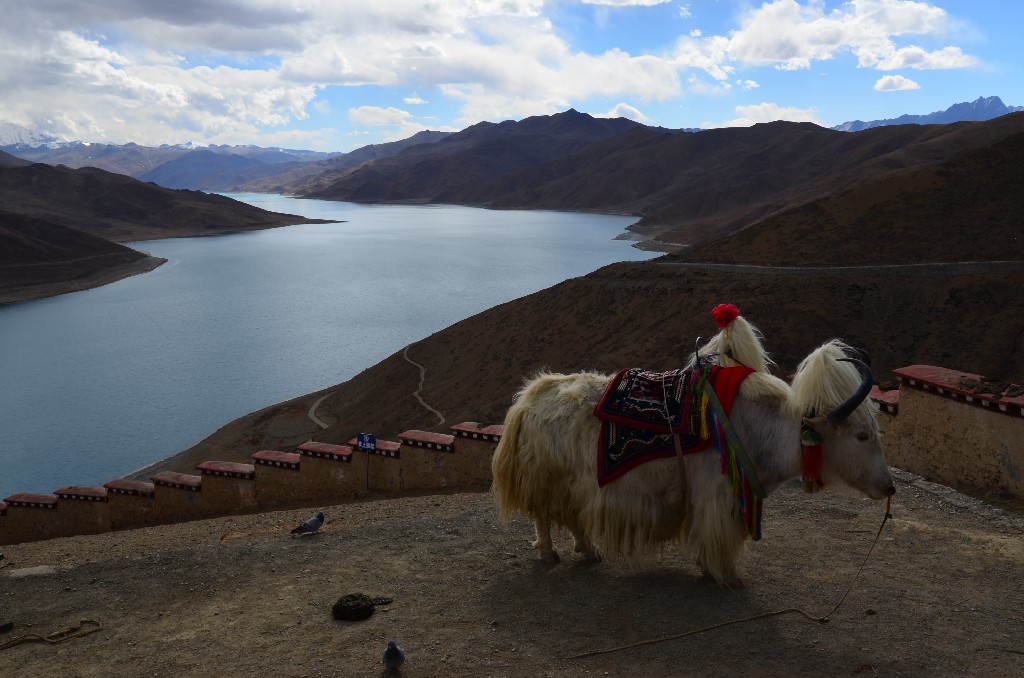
(641, 410)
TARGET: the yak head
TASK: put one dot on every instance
(828, 381)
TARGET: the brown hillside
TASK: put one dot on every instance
(441, 171)
(695, 186)
(39, 259)
(33, 242)
(122, 209)
(966, 208)
(8, 160)
(841, 160)
(688, 187)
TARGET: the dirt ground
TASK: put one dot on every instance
(940, 595)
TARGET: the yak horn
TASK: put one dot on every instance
(861, 353)
(841, 412)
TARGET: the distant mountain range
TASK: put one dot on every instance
(280, 170)
(194, 167)
(206, 168)
(983, 108)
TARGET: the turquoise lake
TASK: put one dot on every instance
(100, 383)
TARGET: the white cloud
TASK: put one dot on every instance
(394, 122)
(920, 59)
(154, 69)
(498, 83)
(376, 116)
(709, 55)
(696, 85)
(768, 112)
(895, 83)
(624, 110)
(790, 35)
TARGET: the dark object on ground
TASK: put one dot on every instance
(310, 526)
(353, 607)
(357, 606)
(393, 656)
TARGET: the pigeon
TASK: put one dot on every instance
(393, 656)
(311, 526)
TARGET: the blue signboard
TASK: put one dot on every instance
(366, 441)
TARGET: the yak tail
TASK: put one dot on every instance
(505, 466)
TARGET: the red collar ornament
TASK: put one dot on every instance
(810, 443)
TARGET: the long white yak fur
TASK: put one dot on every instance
(545, 467)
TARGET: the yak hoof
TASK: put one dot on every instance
(589, 553)
(550, 558)
(731, 582)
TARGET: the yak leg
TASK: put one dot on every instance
(718, 549)
(543, 543)
(717, 535)
(582, 544)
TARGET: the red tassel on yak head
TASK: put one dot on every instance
(724, 314)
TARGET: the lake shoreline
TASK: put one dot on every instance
(86, 282)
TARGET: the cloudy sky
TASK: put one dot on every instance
(339, 74)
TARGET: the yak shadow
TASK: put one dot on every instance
(580, 605)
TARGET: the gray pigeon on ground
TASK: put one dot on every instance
(393, 656)
(310, 526)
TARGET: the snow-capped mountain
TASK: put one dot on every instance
(983, 108)
(16, 135)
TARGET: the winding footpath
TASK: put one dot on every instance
(423, 376)
(312, 410)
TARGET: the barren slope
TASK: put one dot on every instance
(967, 208)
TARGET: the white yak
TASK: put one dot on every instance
(545, 466)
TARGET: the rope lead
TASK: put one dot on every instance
(77, 631)
(823, 619)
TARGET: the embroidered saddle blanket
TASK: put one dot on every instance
(641, 410)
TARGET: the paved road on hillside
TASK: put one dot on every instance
(946, 269)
